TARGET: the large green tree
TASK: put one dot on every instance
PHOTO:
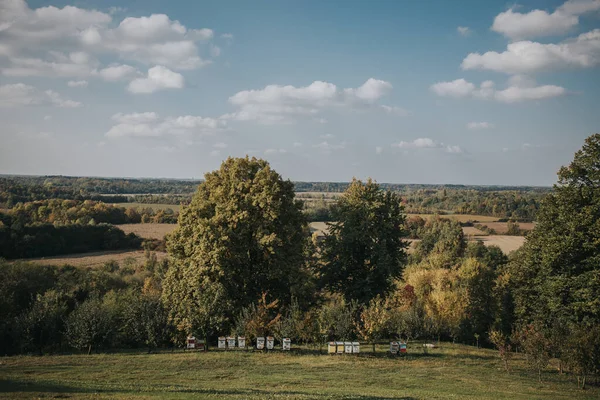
(363, 252)
(243, 234)
(556, 275)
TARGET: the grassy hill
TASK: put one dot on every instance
(451, 372)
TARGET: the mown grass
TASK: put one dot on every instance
(451, 372)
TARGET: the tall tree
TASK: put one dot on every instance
(556, 274)
(363, 252)
(243, 233)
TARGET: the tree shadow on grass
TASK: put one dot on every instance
(14, 386)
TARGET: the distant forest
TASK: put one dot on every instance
(504, 202)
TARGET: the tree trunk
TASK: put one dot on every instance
(539, 374)
(89, 349)
(373, 343)
(583, 383)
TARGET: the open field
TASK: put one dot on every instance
(451, 372)
(472, 231)
(94, 260)
(148, 231)
(458, 217)
(506, 243)
(155, 207)
(502, 227)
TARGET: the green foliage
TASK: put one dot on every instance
(336, 318)
(49, 240)
(244, 232)
(441, 236)
(364, 252)
(536, 345)
(145, 320)
(556, 275)
(91, 324)
(41, 327)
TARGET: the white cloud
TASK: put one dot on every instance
(152, 40)
(519, 89)
(540, 23)
(215, 153)
(427, 143)
(464, 30)
(149, 124)
(20, 94)
(47, 117)
(479, 125)
(220, 145)
(327, 148)
(378, 150)
(275, 151)
(283, 104)
(297, 144)
(158, 78)
(77, 83)
(529, 57)
(455, 88)
(117, 72)
(327, 136)
(396, 110)
(62, 65)
(215, 51)
(371, 90)
(227, 36)
(135, 118)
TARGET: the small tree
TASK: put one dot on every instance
(89, 325)
(536, 346)
(583, 352)
(145, 320)
(261, 318)
(503, 345)
(374, 321)
(336, 319)
(42, 326)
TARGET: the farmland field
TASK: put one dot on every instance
(453, 371)
(155, 207)
(506, 243)
(502, 227)
(94, 260)
(148, 231)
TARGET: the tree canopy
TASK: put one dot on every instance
(244, 233)
(556, 274)
(364, 252)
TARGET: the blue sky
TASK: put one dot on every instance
(467, 92)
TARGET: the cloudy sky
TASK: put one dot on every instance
(469, 92)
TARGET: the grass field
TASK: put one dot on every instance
(451, 372)
(148, 231)
(95, 260)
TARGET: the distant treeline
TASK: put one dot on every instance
(519, 203)
(49, 240)
(58, 211)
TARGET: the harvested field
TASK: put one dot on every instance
(502, 227)
(458, 217)
(94, 260)
(506, 243)
(155, 207)
(148, 231)
(320, 227)
(472, 231)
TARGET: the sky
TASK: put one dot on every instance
(433, 92)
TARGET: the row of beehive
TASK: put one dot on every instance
(229, 342)
(343, 347)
